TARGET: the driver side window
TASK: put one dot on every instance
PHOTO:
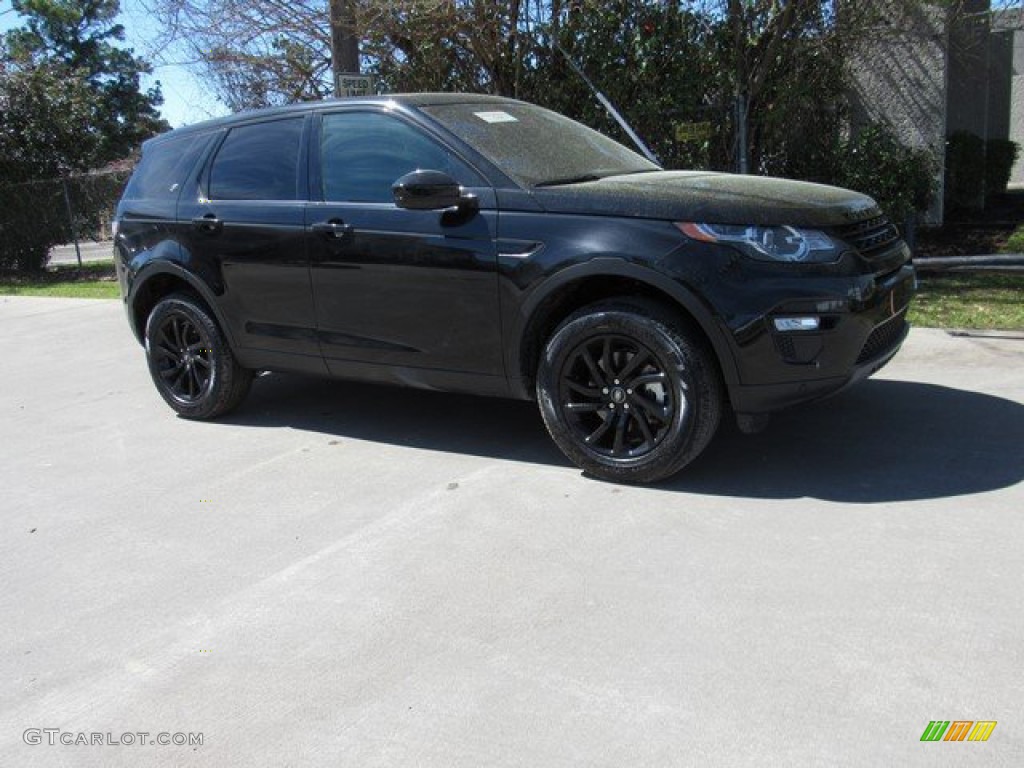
(364, 153)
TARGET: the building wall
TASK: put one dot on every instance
(899, 77)
(1000, 84)
(987, 97)
(1010, 30)
(967, 73)
(1017, 106)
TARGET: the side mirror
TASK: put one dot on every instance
(430, 191)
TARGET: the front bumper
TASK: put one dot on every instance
(862, 326)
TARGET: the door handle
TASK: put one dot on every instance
(208, 223)
(335, 228)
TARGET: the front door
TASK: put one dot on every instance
(412, 292)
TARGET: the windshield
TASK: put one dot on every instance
(535, 146)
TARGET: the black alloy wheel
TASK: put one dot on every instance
(627, 393)
(183, 356)
(190, 361)
(616, 396)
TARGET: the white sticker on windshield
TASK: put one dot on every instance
(496, 117)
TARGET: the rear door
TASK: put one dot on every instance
(247, 232)
(397, 287)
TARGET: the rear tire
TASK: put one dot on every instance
(627, 393)
(190, 361)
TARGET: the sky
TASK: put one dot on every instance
(186, 99)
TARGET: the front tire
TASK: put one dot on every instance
(626, 393)
(190, 361)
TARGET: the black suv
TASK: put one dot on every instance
(478, 244)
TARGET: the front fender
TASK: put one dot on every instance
(565, 278)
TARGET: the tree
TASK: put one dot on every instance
(473, 45)
(767, 76)
(267, 52)
(648, 58)
(32, 143)
(76, 38)
(70, 101)
(258, 53)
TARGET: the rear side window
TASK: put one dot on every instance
(258, 162)
(164, 168)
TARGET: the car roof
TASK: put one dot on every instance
(414, 100)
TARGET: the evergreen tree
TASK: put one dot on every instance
(71, 98)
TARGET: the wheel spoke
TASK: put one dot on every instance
(176, 331)
(657, 377)
(165, 339)
(645, 429)
(661, 414)
(634, 364)
(595, 373)
(162, 352)
(166, 350)
(599, 432)
(620, 432)
(585, 407)
(167, 373)
(176, 384)
(606, 360)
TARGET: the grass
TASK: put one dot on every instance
(93, 281)
(977, 301)
(1015, 243)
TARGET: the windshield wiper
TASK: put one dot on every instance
(570, 180)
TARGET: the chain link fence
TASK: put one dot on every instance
(36, 215)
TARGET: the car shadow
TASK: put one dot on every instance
(878, 442)
(436, 421)
(881, 441)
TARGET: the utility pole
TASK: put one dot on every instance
(344, 41)
(742, 151)
(737, 21)
(71, 219)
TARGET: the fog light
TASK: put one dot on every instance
(797, 323)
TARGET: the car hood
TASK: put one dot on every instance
(717, 198)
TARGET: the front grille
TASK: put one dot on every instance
(870, 237)
(884, 337)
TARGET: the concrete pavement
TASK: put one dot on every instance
(346, 575)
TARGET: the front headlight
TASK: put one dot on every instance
(779, 243)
